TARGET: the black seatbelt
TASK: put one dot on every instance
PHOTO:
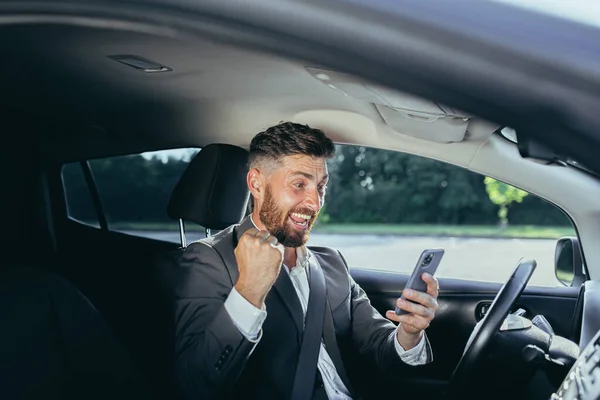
(306, 369)
(332, 347)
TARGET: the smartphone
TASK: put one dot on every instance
(428, 262)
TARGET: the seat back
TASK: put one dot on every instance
(54, 344)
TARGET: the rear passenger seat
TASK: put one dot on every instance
(212, 193)
(54, 345)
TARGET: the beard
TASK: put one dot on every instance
(276, 221)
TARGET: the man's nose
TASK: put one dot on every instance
(313, 200)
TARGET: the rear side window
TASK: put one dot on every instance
(134, 191)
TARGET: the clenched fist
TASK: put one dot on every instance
(259, 257)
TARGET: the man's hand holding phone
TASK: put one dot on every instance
(417, 307)
(421, 310)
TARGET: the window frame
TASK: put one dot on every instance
(95, 194)
(92, 189)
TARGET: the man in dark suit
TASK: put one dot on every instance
(244, 298)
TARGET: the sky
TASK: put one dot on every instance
(584, 11)
(165, 154)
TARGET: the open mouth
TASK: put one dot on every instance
(300, 221)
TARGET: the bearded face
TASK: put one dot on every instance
(290, 194)
(291, 226)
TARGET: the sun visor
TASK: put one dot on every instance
(404, 113)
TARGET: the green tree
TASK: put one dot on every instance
(503, 196)
(379, 186)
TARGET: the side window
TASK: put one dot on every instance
(383, 208)
(134, 191)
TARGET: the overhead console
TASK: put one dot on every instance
(408, 114)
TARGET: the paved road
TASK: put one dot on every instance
(489, 260)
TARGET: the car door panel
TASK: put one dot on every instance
(459, 305)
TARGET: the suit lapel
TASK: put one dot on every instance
(227, 253)
(242, 228)
(283, 286)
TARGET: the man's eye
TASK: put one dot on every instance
(299, 185)
(322, 189)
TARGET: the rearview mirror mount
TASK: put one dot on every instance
(568, 262)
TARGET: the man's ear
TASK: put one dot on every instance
(254, 180)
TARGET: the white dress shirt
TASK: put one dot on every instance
(249, 319)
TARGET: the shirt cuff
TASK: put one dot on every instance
(247, 318)
(415, 356)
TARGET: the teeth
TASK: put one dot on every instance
(301, 216)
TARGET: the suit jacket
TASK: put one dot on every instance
(214, 360)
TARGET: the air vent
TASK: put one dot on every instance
(141, 64)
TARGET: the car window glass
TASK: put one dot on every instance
(135, 191)
(383, 208)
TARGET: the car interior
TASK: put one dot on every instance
(89, 307)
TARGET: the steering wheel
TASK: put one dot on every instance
(484, 332)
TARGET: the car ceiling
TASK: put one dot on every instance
(91, 105)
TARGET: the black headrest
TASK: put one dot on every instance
(212, 191)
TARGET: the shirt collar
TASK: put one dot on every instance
(302, 253)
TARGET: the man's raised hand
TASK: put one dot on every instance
(259, 257)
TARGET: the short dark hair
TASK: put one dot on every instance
(288, 138)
